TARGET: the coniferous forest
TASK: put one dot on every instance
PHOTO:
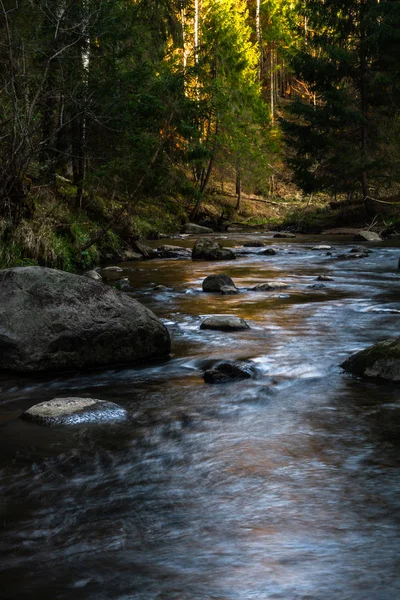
(124, 119)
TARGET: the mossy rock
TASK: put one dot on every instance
(380, 361)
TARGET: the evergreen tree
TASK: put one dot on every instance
(339, 139)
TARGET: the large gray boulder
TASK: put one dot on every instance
(72, 411)
(55, 320)
(214, 283)
(206, 249)
(381, 360)
(194, 228)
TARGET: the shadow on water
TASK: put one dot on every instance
(280, 487)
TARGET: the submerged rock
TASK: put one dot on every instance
(317, 286)
(254, 244)
(206, 249)
(227, 371)
(214, 283)
(270, 286)
(381, 360)
(228, 290)
(50, 319)
(225, 323)
(284, 234)
(360, 250)
(194, 228)
(324, 278)
(367, 236)
(352, 255)
(72, 411)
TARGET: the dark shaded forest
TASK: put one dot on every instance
(123, 120)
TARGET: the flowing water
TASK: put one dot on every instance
(285, 486)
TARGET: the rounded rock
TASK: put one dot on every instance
(225, 323)
(214, 283)
(52, 320)
(73, 411)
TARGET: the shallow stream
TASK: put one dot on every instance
(285, 486)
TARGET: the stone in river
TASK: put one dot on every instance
(324, 278)
(227, 371)
(367, 236)
(208, 249)
(360, 249)
(194, 228)
(382, 361)
(225, 323)
(269, 252)
(270, 286)
(228, 290)
(284, 234)
(52, 320)
(168, 251)
(72, 411)
(112, 269)
(322, 247)
(214, 283)
(254, 244)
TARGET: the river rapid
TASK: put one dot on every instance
(285, 486)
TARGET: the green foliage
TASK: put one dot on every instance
(338, 135)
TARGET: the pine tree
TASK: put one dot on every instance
(338, 140)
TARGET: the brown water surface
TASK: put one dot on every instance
(285, 486)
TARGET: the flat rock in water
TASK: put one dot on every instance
(269, 252)
(224, 323)
(367, 236)
(270, 286)
(168, 251)
(112, 269)
(284, 234)
(72, 411)
(317, 286)
(322, 247)
(381, 360)
(206, 249)
(194, 228)
(52, 320)
(324, 278)
(227, 371)
(214, 283)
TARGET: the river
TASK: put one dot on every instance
(285, 486)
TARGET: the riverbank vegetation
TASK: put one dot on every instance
(125, 119)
